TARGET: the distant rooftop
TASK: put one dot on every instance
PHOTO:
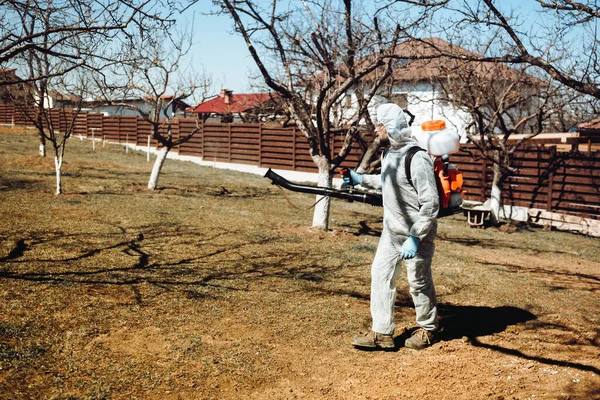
(592, 126)
(227, 102)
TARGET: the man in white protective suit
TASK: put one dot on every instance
(409, 229)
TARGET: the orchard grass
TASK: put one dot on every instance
(215, 286)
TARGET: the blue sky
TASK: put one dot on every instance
(224, 55)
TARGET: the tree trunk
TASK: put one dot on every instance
(369, 156)
(158, 163)
(496, 196)
(58, 160)
(321, 213)
(42, 146)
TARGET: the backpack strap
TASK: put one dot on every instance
(408, 159)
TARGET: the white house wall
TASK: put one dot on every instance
(124, 111)
(423, 103)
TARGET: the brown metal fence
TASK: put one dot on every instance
(567, 182)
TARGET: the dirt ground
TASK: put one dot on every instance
(215, 287)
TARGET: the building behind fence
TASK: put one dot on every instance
(556, 182)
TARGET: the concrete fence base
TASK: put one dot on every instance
(562, 222)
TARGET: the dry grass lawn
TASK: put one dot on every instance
(214, 287)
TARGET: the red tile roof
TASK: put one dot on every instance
(238, 103)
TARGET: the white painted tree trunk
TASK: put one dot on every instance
(42, 146)
(158, 163)
(321, 213)
(58, 160)
(495, 204)
(496, 199)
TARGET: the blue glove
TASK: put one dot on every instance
(409, 248)
(353, 179)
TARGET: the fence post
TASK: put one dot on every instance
(294, 148)
(203, 130)
(483, 178)
(259, 145)
(552, 157)
(93, 139)
(550, 184)
(178, 131)
(229, 142)
(148, 149)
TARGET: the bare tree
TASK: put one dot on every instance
(507, 107)
(317, 55)
(53, 125)
(56, 29)
(560, 49)
(56, 44)
(564, 42)
(154, 73)
(46, 73)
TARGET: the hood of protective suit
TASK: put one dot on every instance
(395, 122)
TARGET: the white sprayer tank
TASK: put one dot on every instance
(434, 137)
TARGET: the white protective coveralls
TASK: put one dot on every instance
(407, 211)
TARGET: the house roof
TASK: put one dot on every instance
(590, 127)
(63, 97)
(421, 59)
(424, 60)
(238, 103)
(178, 104)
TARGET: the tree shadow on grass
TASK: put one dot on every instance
(7, 183)
(473, 322)
(543, 360)
(145, 265)
(16, 252)
(366, 227)
(192, 274)
(492, 243)
(556, 279)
